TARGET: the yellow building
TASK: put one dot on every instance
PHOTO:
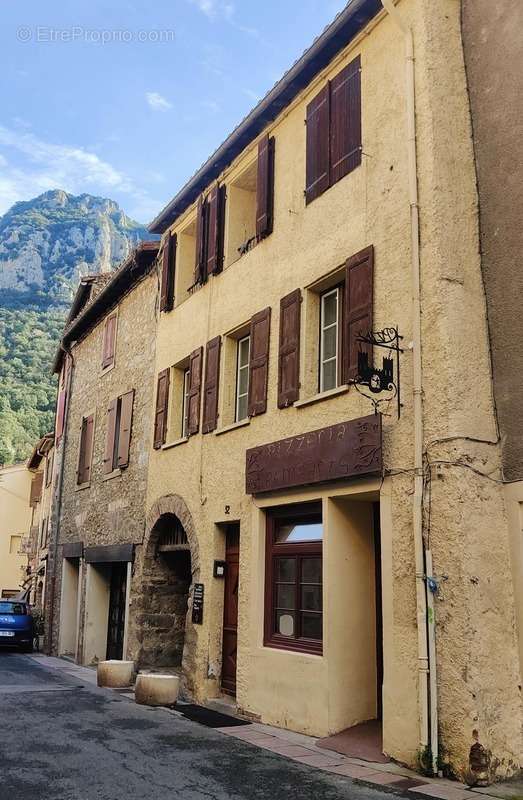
(15, 519)
(344, 203)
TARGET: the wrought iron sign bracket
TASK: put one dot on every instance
(380, 382)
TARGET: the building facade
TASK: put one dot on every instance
(106, 364)
(498, 143)
(15, 518)
(36, 541)
(305, 522)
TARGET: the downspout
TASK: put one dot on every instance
(426, 655)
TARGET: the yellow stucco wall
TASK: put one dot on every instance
(15, 519)
(369, 206)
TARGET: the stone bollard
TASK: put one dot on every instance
(156, 690)
(115, 674)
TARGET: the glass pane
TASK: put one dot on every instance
(285, 624)
(330, 380)
(311, 570)
(243, 352)
(310, 598)
(243, 381)
(286, 596)
(311, 626)
(286, 569)
(242, 408)
(299, 532)
(330, 342)
(330, 308)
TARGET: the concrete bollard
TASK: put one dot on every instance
(115, 674)
(156, 690)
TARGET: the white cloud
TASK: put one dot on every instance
(211, 105)
(157, 101)
(37, 166)
(207, 7)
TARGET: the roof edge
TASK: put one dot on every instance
(337, 35)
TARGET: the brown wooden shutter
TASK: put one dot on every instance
(112, 413)
(86, 450)
(259, 362)
(200, 271)
(265, 187)
(126, 421)
(212, 231)
(36, 489)
(195, 383)
(210, 392)
(345, 111)
(162, 405)
(109, 341)
(289, 349)
(60, 415)
(357, 309)
(317, 168)
(168, 273)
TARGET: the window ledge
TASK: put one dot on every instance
(175, 443)
(317, 398)
(116, 473)
(105, 370)
(241, 424)
(80, 486)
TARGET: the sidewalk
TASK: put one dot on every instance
(304, 749)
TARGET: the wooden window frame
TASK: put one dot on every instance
(238, 369)
(339, 289)
(298, 550)
(185, 404)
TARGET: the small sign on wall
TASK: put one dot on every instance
(219, 569)
(197, 604)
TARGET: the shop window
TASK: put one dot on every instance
(330, 339)
(294, 581)
(242, 378)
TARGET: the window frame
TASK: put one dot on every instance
(298, 550)
(247, 367)
(339, 333)
(185, 404)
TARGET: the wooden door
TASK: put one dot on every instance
(230, 609)
(116, 621)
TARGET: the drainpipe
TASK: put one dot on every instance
(425, 626)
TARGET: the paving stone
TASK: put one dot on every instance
(351, 770)
(382, 778)
(444, 792)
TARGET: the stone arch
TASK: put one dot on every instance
(176, 505)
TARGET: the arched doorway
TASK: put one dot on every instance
(167, 576)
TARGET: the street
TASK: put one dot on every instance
(65, 739)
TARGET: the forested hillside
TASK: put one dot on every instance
(46, 245)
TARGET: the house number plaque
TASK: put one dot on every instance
(197, 604)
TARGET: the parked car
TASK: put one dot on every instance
(16, 625)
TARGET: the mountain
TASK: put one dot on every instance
(46, 245)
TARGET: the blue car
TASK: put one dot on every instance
(16, 625)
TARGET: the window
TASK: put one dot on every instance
(185, 404)
(242, 378)
(294, 582)
(118, 437)
(334, 131)
(109, 341)
(330, 338)
(15, 544)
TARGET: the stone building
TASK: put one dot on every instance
(337, 566)
(40, 464)
(103, 429)
(497, 123)
(15, 519)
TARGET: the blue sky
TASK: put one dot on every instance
(134, 116)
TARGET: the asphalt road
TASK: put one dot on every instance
(63, 739)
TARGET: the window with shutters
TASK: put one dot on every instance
(109, 342)
(185, 260)
(333, 133)
(330, 339)
(251, 203)
(118, 433)
(178, 405)
(185, 404)
(242, 378)
(85, 453)
(294, 578)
